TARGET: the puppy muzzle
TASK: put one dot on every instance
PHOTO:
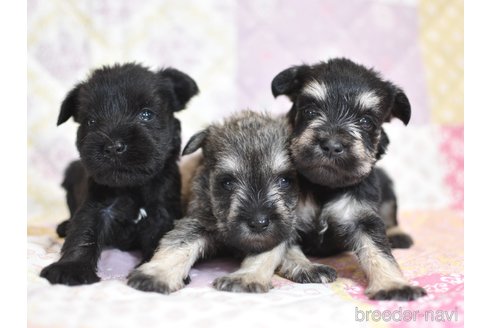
(114, 148)
(332, 147)
(259, 223)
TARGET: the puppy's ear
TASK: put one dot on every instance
(289, 81)
(182, 86)
(69, 106)
(400, 108)
(195, 142)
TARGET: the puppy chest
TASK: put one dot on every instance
(122, 210)
(314, 216)
(345, 210)
(307, 212)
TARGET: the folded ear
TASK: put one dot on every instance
(195, 142)
(400, 108)
(69, 106)
(183, 86)
(290, 81)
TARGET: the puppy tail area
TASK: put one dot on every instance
(399, 239)
(188, 168)
(75, 184)
(74, 173)
(62, 228)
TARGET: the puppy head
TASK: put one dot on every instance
(251, 182)
(337, 115)
(127, 129)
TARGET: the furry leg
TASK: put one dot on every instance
(297, 267)
(255, 274)
(385, 279)
(178, 250)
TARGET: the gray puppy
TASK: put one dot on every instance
(243, 201)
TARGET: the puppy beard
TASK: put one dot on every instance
(346, 170)
(237, 234)
(141, 161)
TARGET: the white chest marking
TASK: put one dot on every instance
(344, 209)
(142, 214)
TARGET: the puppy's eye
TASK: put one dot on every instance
(284, 182)
(91, 122)
(309, 112)
(146, 115)
(228, 183)
(366, 123)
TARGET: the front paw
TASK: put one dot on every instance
(147, 283)
(240, 284)
(314, 273)
(402, 293)
(70, 273)
(150, 283)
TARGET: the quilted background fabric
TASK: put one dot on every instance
(233, 49)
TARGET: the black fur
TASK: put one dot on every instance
(124, 192)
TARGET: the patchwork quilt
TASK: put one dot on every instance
(233, 49)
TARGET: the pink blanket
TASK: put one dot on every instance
(435, 262)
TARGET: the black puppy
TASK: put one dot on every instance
(125, 190)
(337, 115)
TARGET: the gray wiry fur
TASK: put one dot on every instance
(243, 200)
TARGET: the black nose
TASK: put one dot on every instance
(115, 148)
(259, 223)
(332, 146)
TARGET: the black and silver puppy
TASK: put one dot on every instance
(125, 190)
(243, 201)
(338, 111)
